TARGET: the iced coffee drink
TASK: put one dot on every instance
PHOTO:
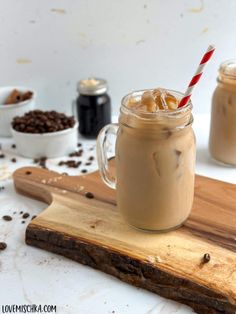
(222, 141)
(155, 158)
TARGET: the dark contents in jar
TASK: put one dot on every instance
(38, 121)
(93, 106)
(94, 112)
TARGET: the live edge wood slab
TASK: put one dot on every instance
(92, 232)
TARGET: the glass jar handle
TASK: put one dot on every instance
(102, 154)
(74, 109)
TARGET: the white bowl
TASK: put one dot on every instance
(8, 112)
(50, 145)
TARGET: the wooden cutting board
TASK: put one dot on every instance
(92, 232)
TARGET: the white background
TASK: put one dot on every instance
(134, 44)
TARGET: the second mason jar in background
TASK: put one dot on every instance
(222, 141)
(93, 106)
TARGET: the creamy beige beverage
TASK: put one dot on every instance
(222, 141)
(155, 159)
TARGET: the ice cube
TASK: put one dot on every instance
(154, 100)
(171, 101)
(158, 96)
(132, 102)
(148, 100)
(165, 100)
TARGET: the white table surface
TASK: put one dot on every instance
(32, 276)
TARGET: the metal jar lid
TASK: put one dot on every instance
(92, 86)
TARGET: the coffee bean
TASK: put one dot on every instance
(33, 217)
(23, 221)
(13, 146)
(25, 215)
(2, 156)
(206, 258)
(38, 121)
(70, 163)
(13, 160)
(91, 158)
(41, 162)
(76, 153)
(84, 170)
(7, 218)
(3, 246)
(89, 195)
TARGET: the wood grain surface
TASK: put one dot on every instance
(92, 232)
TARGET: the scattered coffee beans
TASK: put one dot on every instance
(70, 163)
(41, 162)
(25, 215)
(89, 195)
(206, 258)
(3, 246)
(7, 218)
(76, 153)
(38, 121)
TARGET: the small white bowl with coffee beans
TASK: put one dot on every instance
(14, 101)
(44, 133)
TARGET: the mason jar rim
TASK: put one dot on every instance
(226, 67)
(144, 114)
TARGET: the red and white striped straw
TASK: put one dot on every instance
(207, 56)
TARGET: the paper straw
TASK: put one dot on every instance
(207, 56)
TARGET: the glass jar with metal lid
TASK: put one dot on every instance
(93, 106)
(222, 141)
